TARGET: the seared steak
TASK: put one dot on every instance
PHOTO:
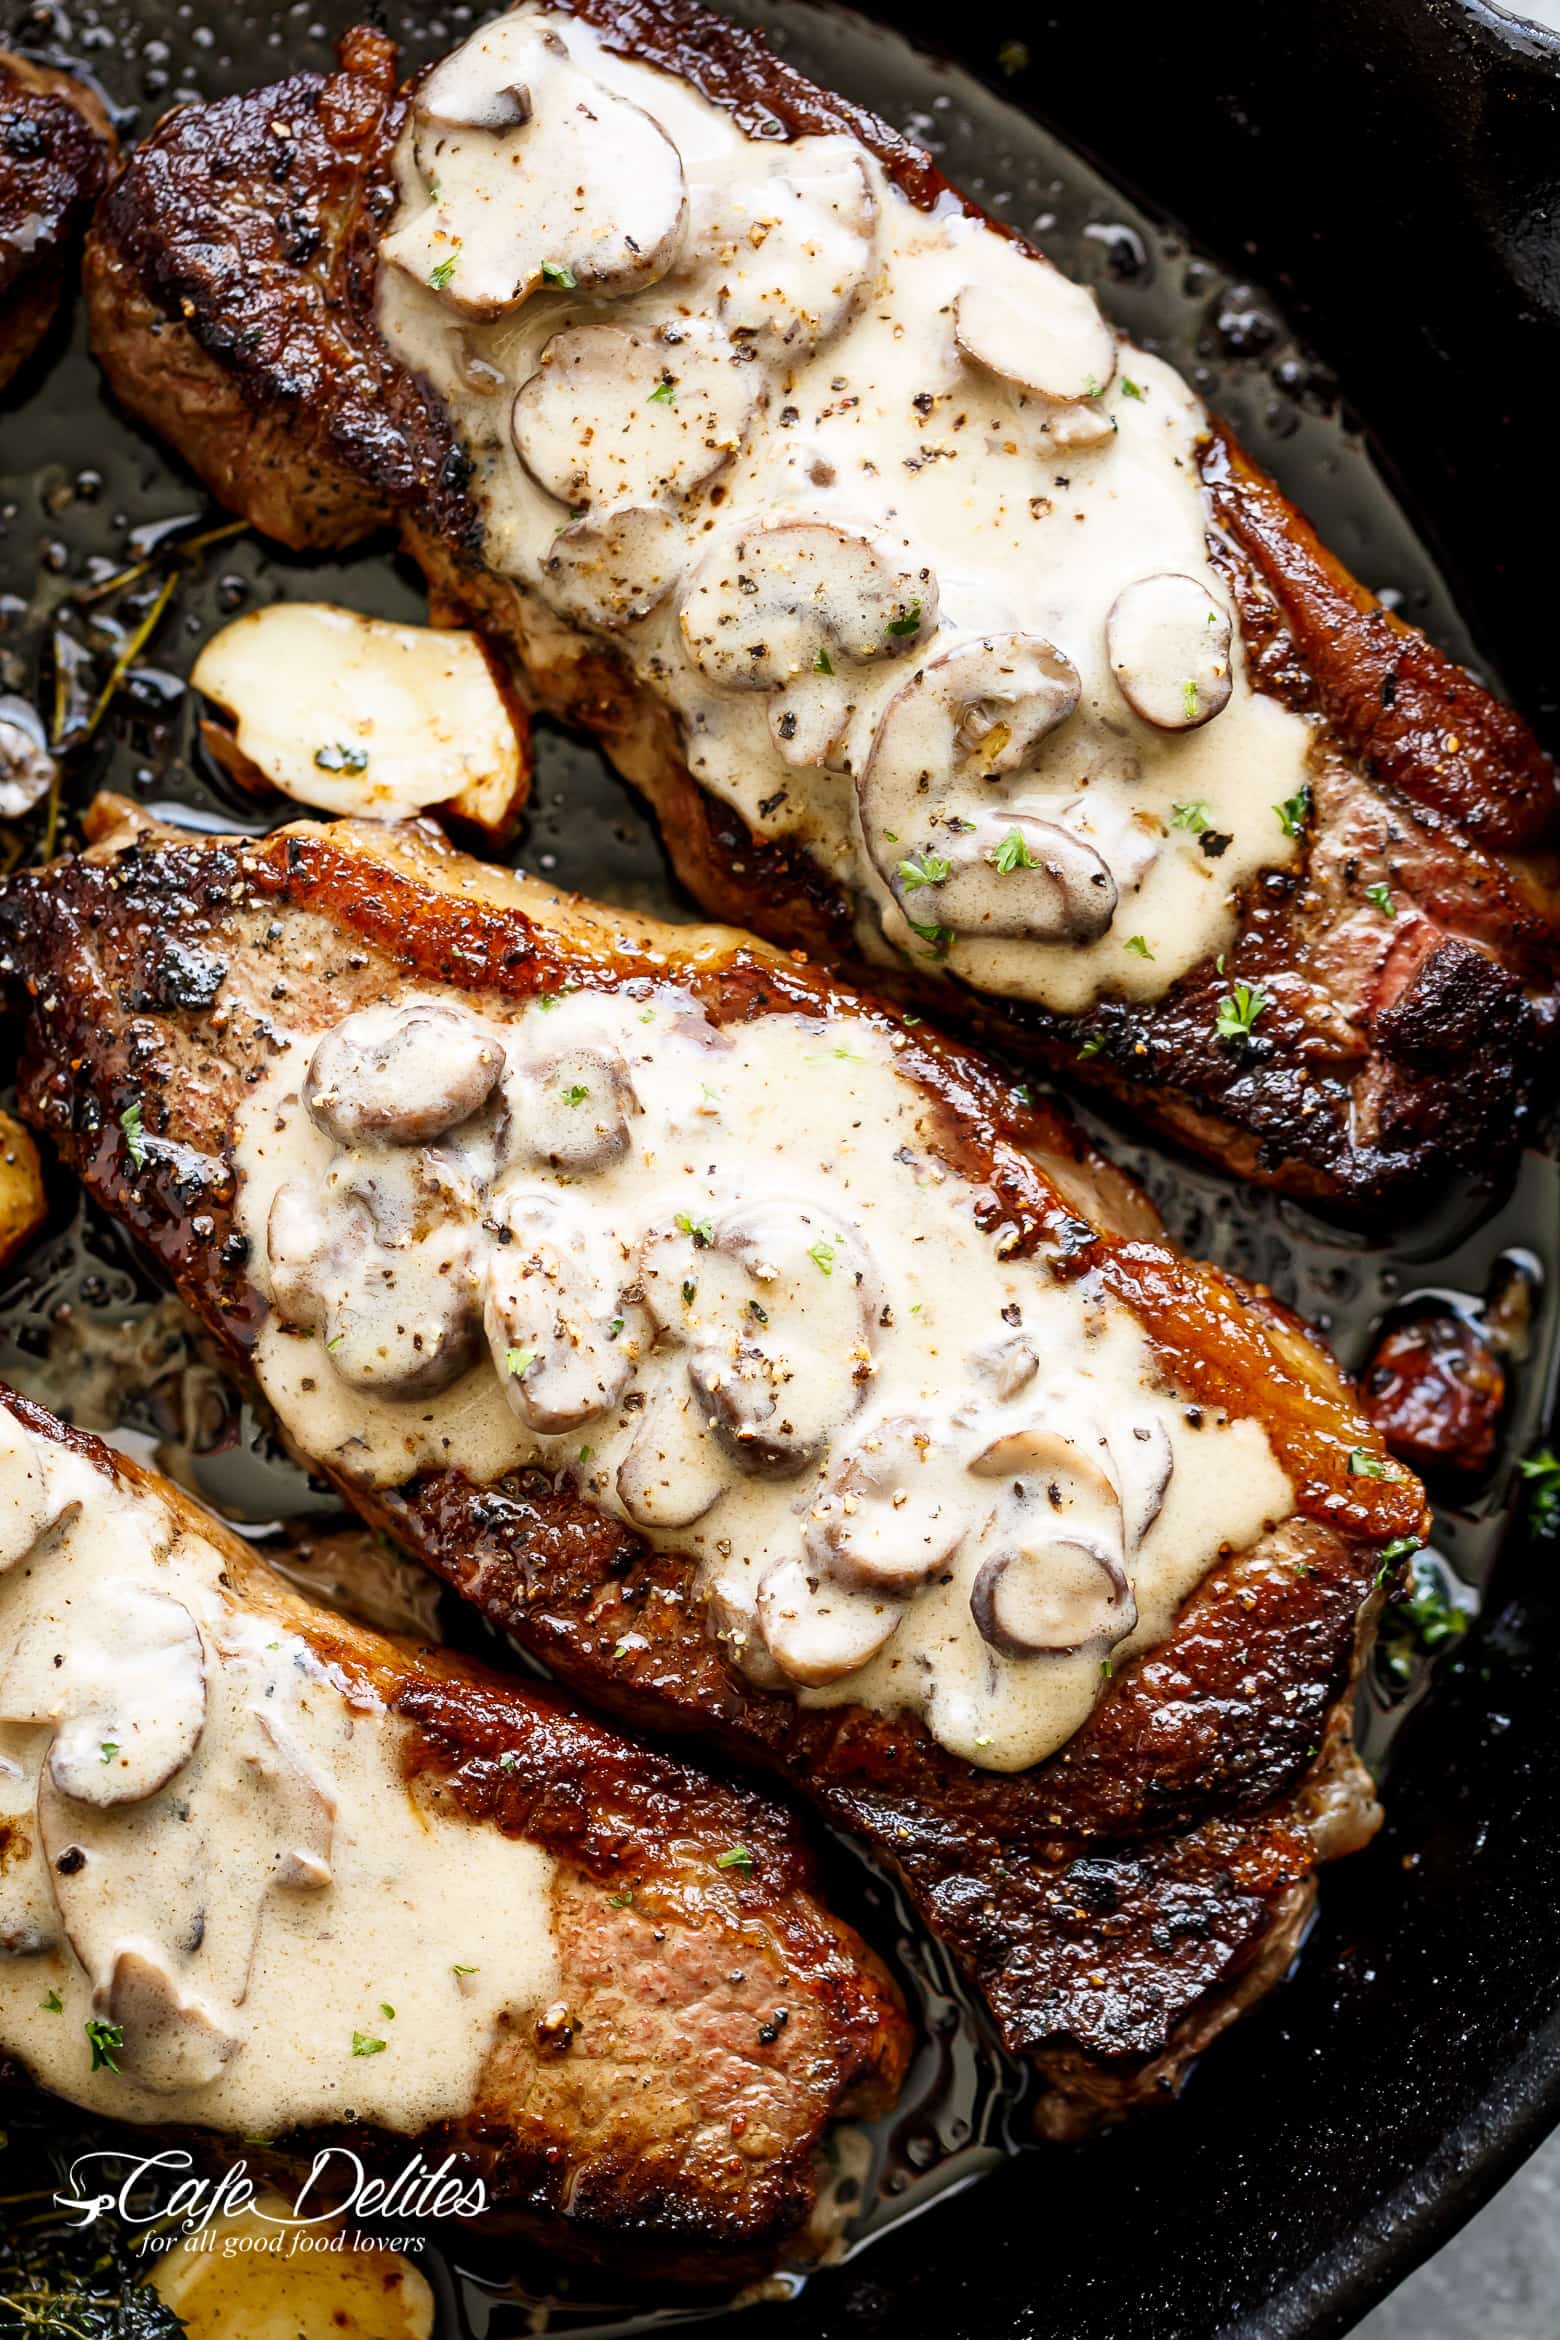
(56, 150)
(1385, 1000)
(1115, 1902)
(646, 2106)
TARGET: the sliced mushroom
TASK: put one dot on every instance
(776, 1302)
(615, 416)
(1169, 642)
(562, 1341)
(401, 1075)
(1035, 328)
(27, 769)
(570, 1108)
(171, 2042)
(885, 1524)
(1143, 1459)
(302, 1812)
(27, 1509)
(815, 1630)
(792, 607)
(674, 1472)
(1060, 1465)
(1006, 1366)
(126, 1691)
(541, 177)
(789, 251)
(1010, 876)
(1054, 1594)
(614, 571)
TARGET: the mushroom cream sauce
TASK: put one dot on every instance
(207, 1829)
(718, 1276)
(870, 496)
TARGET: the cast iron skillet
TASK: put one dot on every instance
(1392, 169)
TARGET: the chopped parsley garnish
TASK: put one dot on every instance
(1013, 853)
(517, 1361)
(1021, 1092)
(664, 393)
(1364, 1465)
(622, 1648)
(758, 1314)
(823, 663)
(439, 277)
(936, 938)
(1189, 700)
(1191, 814)
(822, 1256)
(1129, 388)
(559, 272)
(465, 1970)
(1422, 1624)
(509, 1760)
(387, 2010)
(623, 1900)
(585, 1453)
(689, 1292)
(1542, 1473)
(907, 621)
(614, 1328)
(364, 2044)
(1138, 947)
(1382, 898)
(52, 2005)
(1238, 1011)
(735, 1856)
(106, 2040)
(1294, 812)
(1399, 1549)
(1091, 1047)
(130, 1123)
(336, 758)
(924, 869)
(574, 1094)
(107, 1750)
(700, 1230)
(334, 1343)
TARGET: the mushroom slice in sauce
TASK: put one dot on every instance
(789, 251)
(1169, 645)
(569, 1109)
(171, 2042)
(613, 571)
(615, 416)
(552, 180)
(816, 1630)
(1144, 1460)
(26, 767)
(775, 1302)
(1035, 328)
(1012, 875)
(674, 1472)
(885, 1524)
(127, 1694)
(550, 1313)
(26, 1512)
(400, 1076)
(1067, 1464)
(1054, 1594)
(1006, 1366)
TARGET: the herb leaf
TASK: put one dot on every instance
(736, 1856)
(1295, 811)
(701, 1231)
(130, 1123)
(1013, 853)
(823, 663)
(574, 1094)
(1542, 1472)
(1138, 946)
(924, 869)
(336, 758)
(517, 1361)
(106, 2041)
(664, 394)
(907, 621)
(439, 277)
(1239, 1010)
(822, 1256)
(1191, 813)
(559, 272)
(363, 2044)
(1382, 898)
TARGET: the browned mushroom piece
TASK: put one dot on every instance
(1035, 328)
(1074, 1460)
(615, 570)
(27, 1511)
(127, 1696)
(884, 1524)
(792, 607)
(570, 1107)
(936, 811)
(667, 411)
(548, 180)
(818, 1631)
(775, 1302)
(27, 769)
(171, 2041)
(674, 1471)
(562, 1340)
(1435, 1389)
(1053, 1594)
(401, 1075)
(1169, 646)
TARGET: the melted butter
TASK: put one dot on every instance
(255, 2276)
(845, 399)
(712, 1267)
(277, 1896)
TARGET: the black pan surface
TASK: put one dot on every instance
(1391, 173)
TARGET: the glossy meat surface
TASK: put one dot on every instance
(1114, 1902)
(56, 150)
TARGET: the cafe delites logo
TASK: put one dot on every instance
(163, 2191)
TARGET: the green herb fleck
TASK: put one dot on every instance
(107, 1750)
(1422, 1624)
(1542, 1473)
(52, 2005)
(937, 938)
(1238, 1012)
(1129, 388)
(130, 1123)
(823, 663)
(1021, 1092)
(700, 1230)
(334, 1343)
(1189, 701)
(575, 1094)
(1138, 946)
(1191, 813)
(509, 1760)
(517, 1361)
(907, 621)
(387, 2010)
(614, 1328)
(337, 758)
(1091, 1047)
(364, 2044)
(924, 869)
(664, 393)
(736, 1856)
(822, 1256)
(558, 272)
(439, 277)
(1399, 1549)
(585, 1453)
(1013, 853)
(465, 1970)
(689, 1292)
(1295, 811)
(106, 2040)
(1382, 898)
(758, 1314)
(1365, 1465)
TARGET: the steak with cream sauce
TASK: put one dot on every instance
(772, 1370)
(758, 495)
(272, 1877)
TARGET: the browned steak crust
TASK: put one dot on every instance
(1108, 1902)
(683, 2143)
(232, 281)
(56, 149)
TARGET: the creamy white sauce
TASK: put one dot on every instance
(282, 1891)
(810, 349)
(718, 1276)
